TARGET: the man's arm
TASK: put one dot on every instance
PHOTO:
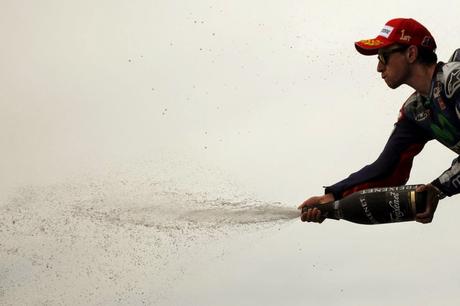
(449, 181)
(392, 167)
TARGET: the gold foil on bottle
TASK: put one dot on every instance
(413, 204)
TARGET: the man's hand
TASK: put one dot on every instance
(432, 199)
(314, 214)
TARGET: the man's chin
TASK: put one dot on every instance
(392, 85)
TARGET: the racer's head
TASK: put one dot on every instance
(402, 31)
(401, 42)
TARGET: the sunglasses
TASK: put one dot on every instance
(384, 56)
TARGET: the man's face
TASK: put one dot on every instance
(393, 65)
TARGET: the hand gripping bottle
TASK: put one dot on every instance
(376, 205)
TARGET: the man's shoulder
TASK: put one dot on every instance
(411, 101)
(409, 107)
(450, 77)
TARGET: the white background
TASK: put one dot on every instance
(270, 94)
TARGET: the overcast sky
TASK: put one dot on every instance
(270, 93)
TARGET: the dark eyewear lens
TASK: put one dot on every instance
(384, 56)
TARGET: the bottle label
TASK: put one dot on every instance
(380, 205)
(385, 189)
(367, 211)
(396, 215)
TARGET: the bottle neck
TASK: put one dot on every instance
(332, 210)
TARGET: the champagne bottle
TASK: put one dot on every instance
(376, 205)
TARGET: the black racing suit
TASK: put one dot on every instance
(421, 120)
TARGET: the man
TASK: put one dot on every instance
(406, 55)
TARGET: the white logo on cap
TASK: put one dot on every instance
(386, 31)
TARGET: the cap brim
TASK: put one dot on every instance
(371, 46)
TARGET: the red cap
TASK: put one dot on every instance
(405, 31)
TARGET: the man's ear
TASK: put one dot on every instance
(412, 54)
